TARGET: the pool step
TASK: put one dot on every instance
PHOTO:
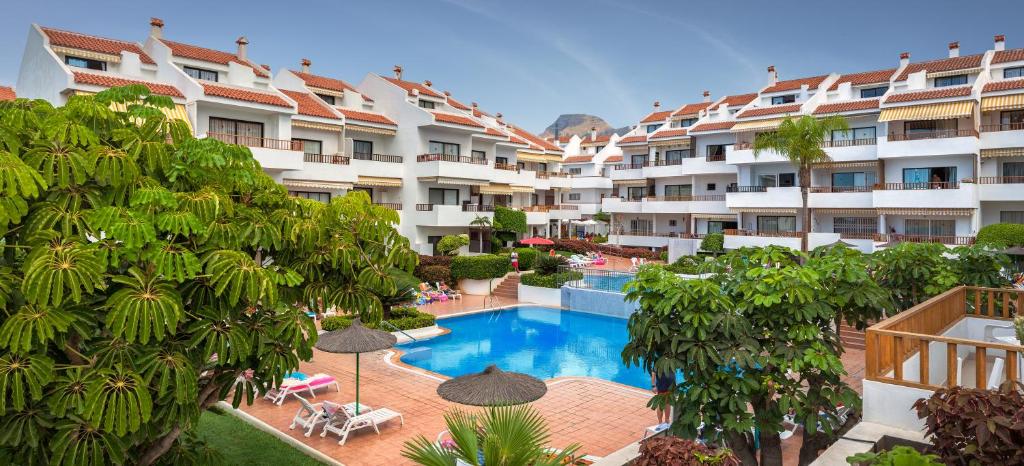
(416, 353)
(509, 288)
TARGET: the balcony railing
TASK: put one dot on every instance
(850, 142)
(907, 343)
(390, 205)
(996, 180)
(507, 166)
(857, 235)
(253, 141)
(670, 234)
(450, 158)
(630, 166)
(544, 175)
(937, 134)
(336, 159)
(548, 208)
(746, 189)
(378, 157)
(940, 239)
(715, 158)
(743, 146)
(477, 208)
(424, 207)
(1002, 127)
(697, 198)
(771, 234)
(922, 185)
(841, 189)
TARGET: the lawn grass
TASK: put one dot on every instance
(241, 443)
(565, 253)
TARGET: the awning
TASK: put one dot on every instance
(722, 217)
(316, 184)
(939, 74)
(940, 111)
(935, 212)
(871, 164)
(330, 92)
(763, 210)
(839, 211)
(86, 54)
(670, 142)
(757, 125)
(378, 181)
(642, 182)
(1002, 102)
(371, 130)
(454, 181)
(497, 189)
(177, 112)
(530, 157)
(522, 189)
(315, 125)
(1002, 152)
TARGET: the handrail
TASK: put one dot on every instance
(378, 157)
(941, 239)
(477, 208)
(936, 134)
(336, 159)
(841, 189)
(424, 207)
(1002, 127)
(257, 141)
(396, 329)
(450, 158)
(746, 189)
(915, 186)
(630, 166)
(507, 166)
(390, 205)
(766, 234)
(695, 198)
(715, 158)
(850, 142)
(997, 180)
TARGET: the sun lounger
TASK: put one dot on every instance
(363, 420)
(310, 415)
(293, 386)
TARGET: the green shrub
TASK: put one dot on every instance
(404, 311)
(547, 265)
(435, 273)
(599, 239)
(449, 245)
(900, 455)
(1001, 235)
(713, 242)
(335, 323)
(404, 318)
(663, 256)
(689, 265)
(509, 220)
(554, 280)
(480, 267)
(409, 323)
(527, 258)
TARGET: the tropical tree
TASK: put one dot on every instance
(500, 436)
(145, 272)
(483, 223)
(914, 272)
(800, 142)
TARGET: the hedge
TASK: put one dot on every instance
(1001, 235)
(713, 242)
(527, 258)
(425, 275)
(406, 318)
(434, 273)
(583, 247)
(435, 260)
(449, 244)
(551, 280)
(512, 220)
(480, 267)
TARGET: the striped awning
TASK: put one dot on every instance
(1002, 152)
(723, 217)
(642, 182)
(522, 189)
(763, 210)
(1002, 102)
(177, 112)
(371, 130)
(378, 181)
(757, 125)
(316, 184)
(315, 125)
(530, 157)
(496, 188)
(841, 211)
(86, 54)
(670, 142)
(863, 164)
(940, 111)
(939, 74)
(330, 92)
(935, 212)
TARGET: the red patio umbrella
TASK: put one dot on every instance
(537, 241)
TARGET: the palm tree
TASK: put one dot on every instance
(483, 223)
(800, 141)
(500, 436)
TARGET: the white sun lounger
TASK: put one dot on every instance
(368, 419)
(293, 386)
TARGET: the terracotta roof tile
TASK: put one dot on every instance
(75, 40)
(738, 100)
(409, 86)
(772, 110)
(691, 109)
(324, 82)
(1005, 85)
(564, 139)
(867, 77)
(195, 52)
(366, 116)
(713, 126)
(244, 95)
(945, 64)
(1006, 56)
(456, 104)
(310, 105)
(793, 84)
(633, 139)
(450, 118)
(656, 116)
(578, 159)
(669, 133)
(605, 138)
(848, 106)
(613, 158)
(494, 132)
(940, 93)
(112, 81)
(7, 93)
(534, 139)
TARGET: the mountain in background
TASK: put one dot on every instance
(580, 124)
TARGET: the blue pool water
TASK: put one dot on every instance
(539, 341)
(610, 282)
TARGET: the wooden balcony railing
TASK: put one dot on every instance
(1002, 127)
(770, 234)
(378, 157)
(996, 180)
(336, 159)
(545, 175)
(697, 198)
(850, 142)
(743, 146)
(424, 207)
(914, 186)
(746, 189)
(390, 205)
(941, 239)
(450, 158)
(252, 141)
(477, 208)
(841, 189)
(548, 207)
(630, 166)
(857, 235)
(715, 158)
(901, 349)
(507, 166)
(937, 134)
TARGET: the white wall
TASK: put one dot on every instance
(42, 75)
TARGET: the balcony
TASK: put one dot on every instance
(761, 196)
(627, 171)
(929, 143)
(959, 337)
(390, 205)
(330, 168)
(865, 242)
(448, 166)
(840, 197)
(999, 188)
(925, 195)
(619, 205)
(710, 203)
(893, 238)
(743, 153)
(849, 150)
(272, 154)
(511, 174)
(552, 212)
(451, 215)
(378, 158)
(735, 239)
(378, 165)
(548, 180)
(591, 182)
(1002, 136)
(333, 159)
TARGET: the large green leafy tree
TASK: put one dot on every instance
(914, 272)
(143, 271)
(800, 142)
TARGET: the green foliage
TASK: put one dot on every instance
(602, 216)
(435, 274)
(713, 242)
(480, 267)
(1001, 235)
(449, 244)
(662, 450)
(554, 280)
(973, 426)
(133, 253)
(506, 436)
(663, 255)
(692, 265)
(980, 266)
(898, 456)
(599, 239)
(547, 265)
(914, 272)
(510, 220)
(527, 258)
(236, 440)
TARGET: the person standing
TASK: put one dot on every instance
(514, 257)
(660, 385)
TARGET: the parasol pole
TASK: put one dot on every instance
(357, 384)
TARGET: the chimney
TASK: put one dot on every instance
(398, 71)
(242, 45)
(305, 65)
(773, 78)
(473, 104)
(1000, 42)
(156, 28)
(904, 58)
(497, 116)
(954, 49)
(657, 105)
(707, 96)
(428, 83)
(593, 133)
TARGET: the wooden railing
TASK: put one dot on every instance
(743, 146)
(253, 141)
(770, 234)
(697, 198)
(630, 166)
(450, 158)
(996, 180)
(941, 239)
(914, 186)
(904, 344)
(543, 175)
(548, 208)
(937, 134)
(746, 189)
(336, 159)
(1002, 127)
(857, 235)
(424, 207)
(378, 157)
(507, 166)
(390, 205)
(477, 208)
(841, 189)
(850, 142)
(715, 158)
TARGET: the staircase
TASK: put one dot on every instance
(508, 290)
(852, 338)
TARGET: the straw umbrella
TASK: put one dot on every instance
(493, 387)
(355, 339)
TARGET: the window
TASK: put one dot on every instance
(638, 159)
(542, 167)
(768, 181)
(1015, 169)
(923, 178)
(636, 192)
(684, 123)
(426, 104)
(671, 223)
(774, 224)
(327, 98)
(85, 63)
(873, 92)
(856, 225)
(716, 150)
(951, 80)
(481, 155)
(854, 134)
(1013, 72)
(447, 148)
(853, 179)
(362, 148)
(1011, 216)
(310, 146)
(712, 186)
(783, 99)
(246, 133)
(673, 157)
(441, 196)
(719, 226)
(322, 197)
(200, 73)
(927, 227)
(678, 190)
(521, 165)
(653, 128)
(574, 196)
(576, 171)
(787, 180)
(598, 149)
(928, 126)
(641, 226)
(1013, 119)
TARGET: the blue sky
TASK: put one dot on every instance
(535, 59)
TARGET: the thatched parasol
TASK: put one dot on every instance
(355, 339)
(493, 387)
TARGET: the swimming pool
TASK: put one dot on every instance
(603, 280)
(540, 341)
